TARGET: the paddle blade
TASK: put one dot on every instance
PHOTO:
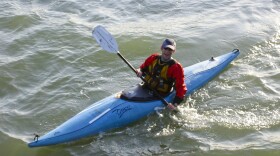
(105, 39)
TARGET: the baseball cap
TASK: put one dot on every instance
(169, 43)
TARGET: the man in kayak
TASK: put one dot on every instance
(162, 72)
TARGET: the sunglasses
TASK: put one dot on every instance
(168, 49)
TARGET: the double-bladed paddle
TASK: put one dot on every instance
(108, 43)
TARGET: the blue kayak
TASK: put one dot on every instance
(129, 105)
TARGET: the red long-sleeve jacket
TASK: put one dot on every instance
(174, 72)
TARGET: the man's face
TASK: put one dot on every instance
(167, 53)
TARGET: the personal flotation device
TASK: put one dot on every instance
(156, 75)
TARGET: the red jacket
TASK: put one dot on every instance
(176, 72)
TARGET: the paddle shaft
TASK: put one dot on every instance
(154, 91)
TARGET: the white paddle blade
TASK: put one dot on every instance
(105, 39)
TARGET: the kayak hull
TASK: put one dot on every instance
(113, 112)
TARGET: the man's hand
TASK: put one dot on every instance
(172, 107)
(138, 72)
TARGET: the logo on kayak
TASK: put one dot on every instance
(121, 111)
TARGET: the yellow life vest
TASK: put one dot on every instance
(157, 76)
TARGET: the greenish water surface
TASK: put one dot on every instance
(51, 69)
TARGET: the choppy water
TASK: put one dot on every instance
(51, 69)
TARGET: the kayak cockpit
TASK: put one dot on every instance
(138, 93)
